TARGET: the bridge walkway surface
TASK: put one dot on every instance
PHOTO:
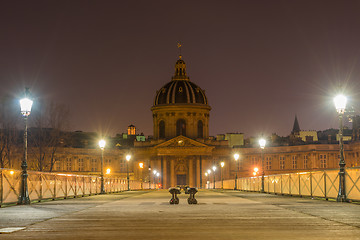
(148, 215)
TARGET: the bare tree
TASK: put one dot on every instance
(8, 131)
(50, 120)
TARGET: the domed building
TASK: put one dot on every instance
(181, 148)
(181, 108)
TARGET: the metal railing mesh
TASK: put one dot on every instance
(44, 185)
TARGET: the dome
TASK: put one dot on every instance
(180, 90)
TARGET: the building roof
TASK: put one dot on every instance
(180, 90)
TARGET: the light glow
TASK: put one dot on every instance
(209, 171)
(340, 103)
(214, 168)
(102, 144)
(141, 165)
(108, 171)
(11, 172)
(25, 106)
(206, 174)
(128, 157)
(236, 156)
(262, 143)
(222, 164)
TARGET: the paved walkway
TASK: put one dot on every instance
(148, 215)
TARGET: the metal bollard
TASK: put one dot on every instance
(192, 192)
(174, 192)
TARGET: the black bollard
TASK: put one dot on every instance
(174, 192)
(192, 192)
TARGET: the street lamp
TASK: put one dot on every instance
(340, 105)
(262, 143)
(236, 157)
(141, 166)
(154, 172)
(158, 175)
(222, 164)
(128, 157)
(102, 146)
(25, 106)
(209, 172)
(214, 169)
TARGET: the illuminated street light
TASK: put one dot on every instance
(222, 164)
(340, 105)
(236, 157)
(25, 106)
(102, 146)
(208, 174)
(141, 166)
(128, 157)
(108, 171)
(256, 170)
(262, 143)
(214, 169)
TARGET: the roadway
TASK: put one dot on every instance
(148, 215)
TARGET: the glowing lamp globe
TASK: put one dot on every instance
(262, 143)
(25, 106)
(214, 168)
(340, 103)
(236, 156)
(128, 157)
(102, 144)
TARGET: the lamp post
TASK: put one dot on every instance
(236, 157)
(149, 175)
(102, 146)
(128, 157)
(222, 164)
(340, 105)
(154, 172)
(262, 143)
(214, 169)
(209, 172)
(158, 176)
(25, 106)
(141, 166)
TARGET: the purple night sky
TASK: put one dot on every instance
(260, 62)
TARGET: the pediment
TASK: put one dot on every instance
(182, 142)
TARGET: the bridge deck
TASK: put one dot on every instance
(148, 215)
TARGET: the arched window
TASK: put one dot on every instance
(162, 129)
(181, 127)
(200, 128)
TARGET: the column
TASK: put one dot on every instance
(172, 173)
(191, 173)
(164, 172)
(198, 172)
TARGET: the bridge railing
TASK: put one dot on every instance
(324, 184)
(44, 185)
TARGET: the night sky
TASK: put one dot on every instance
(260, 62)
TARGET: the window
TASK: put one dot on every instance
(181, 127)
(253, 161)
(57, 164)
(80, 164)
(93, 165)
(162, 129)
(68, 164)
(268, 163)
(282, 162)
(306, 157)
(322, 160)
(200, 129)
(294, 162)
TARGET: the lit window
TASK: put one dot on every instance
(294, 162)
